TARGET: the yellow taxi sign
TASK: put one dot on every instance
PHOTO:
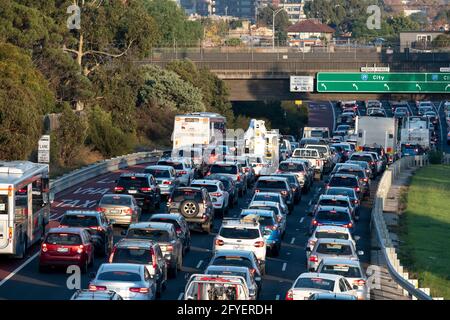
(298, 102)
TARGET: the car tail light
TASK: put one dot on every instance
(178, 230)
(246, 169)
(284, 193)
(182, 172)
(256, 190)
(118, 188)
(238, 178)
(357, 189)
(98, 228)
(359, 282)
(152, 254)
(100, 209)
(219, 242)
(312, 242)
(371, 163)
(44, 247)
(253, 271)
(314, 222)
(259, 244)
(365, 179)
(96, 288)
(140, 290)
(169, 201)
(167, 182)
(348, 225)
(290, 295)
(146, 189)
(80, 249)
(271, 227)
(278, 171)
(169, 248)
(355, 201)
(111, 257)
(128, 211)
(216, 194)
(313, 259)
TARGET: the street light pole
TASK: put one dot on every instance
(274, 13)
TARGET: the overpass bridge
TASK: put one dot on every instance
(263, 74)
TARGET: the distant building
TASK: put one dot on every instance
(417, 40)
(294, 9)
(244, 9)
(309, 32)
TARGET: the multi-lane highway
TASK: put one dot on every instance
(20, 279)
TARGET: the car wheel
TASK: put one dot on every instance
(23, 249)
(189, 208)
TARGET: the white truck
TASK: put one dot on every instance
(314, 158)
(316, 132)
(414, 136)
(378, 131)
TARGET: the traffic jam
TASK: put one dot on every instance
(229, 207)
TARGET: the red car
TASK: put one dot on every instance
(65, 247)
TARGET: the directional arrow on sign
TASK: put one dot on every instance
(324, 86)
(386, 86)
(418, 86)
(448, 86)
(355, 86)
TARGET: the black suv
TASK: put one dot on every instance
(194, 204)
(143, 187)
(96, 223)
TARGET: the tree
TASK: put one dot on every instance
(265, 18)
(71, 135)
(24, 99)
(442, 41)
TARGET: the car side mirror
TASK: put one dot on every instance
(357, 238)
(257, 279)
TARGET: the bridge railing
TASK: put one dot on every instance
(396, 270)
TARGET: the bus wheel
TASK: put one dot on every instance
(23, 249)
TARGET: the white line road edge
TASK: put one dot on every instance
(277, 297)
(181, 296)
(293, 240)
(334, 116)
(12, 274)
(301, 220)
(199, 264)
(284, 266)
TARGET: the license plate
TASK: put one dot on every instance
(114, 211)
(237, 247)
(132, 191)
(62, 250)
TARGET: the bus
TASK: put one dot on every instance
(199, 129)
(24, 205)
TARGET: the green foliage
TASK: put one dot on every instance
(435, 157)
(265, 18)
(233, 42)
(109, 140)
(235, 24)
(167, 89)
(442, 41)
(70, 136)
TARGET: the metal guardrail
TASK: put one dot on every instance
(410, 286)
(81, 175)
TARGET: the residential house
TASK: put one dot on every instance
(308, 33)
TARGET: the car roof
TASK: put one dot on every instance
(228, 268)
(141, 243)
(350, 262)
(240, 253)
(343, 175)
(272, 178)
(159, 167)
(131, 267)
(211, 182)
(326, 276)
(198, 189)
(117, 195)
(264, 203)
(332, 208)
(331, 196)
(261, 212)
(151, 225)
(334, 296)
(86, 294)
(65, 230)
(325, 228)
(178, 160)
(276, 194)
(135, 174)
(91, 213)
(168, 216)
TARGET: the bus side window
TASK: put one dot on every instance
(3, 204)
(37, 195)
(21, 206)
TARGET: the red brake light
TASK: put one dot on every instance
(256, 190)
(284, 193)
(359, 282)
(96, 288)
(216, 194)
(128, 211)
(259, 244)
(167, 182)
(146, 189)
(271, 227)
(44, 247)
(118, 188)
(219, 242)
(238, 178)
(182, 172)
(252, 271)
(100, 209)
(140, 290)
(98, 228)
(313, 259)
(349, 225)
(152, 253)
(314, 222)
(80, 249)
(169, 248)
(289, 295)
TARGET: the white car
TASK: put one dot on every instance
(275, 206)
(243, 234)
(351, 270)
(309, 283)
(270, 197)
(219, 196)
(183, 167)
(328, 232)
(258, 163)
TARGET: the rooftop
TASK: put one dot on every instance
(310, 25)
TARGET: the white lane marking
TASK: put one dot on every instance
(277, 297)
(181, 296)
(199, 264)
(284, 266)
(334, 115)
(12, 274)
(301, 220)
(293, 240)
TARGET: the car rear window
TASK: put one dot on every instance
(79, 221)
(332, 216)
(227, 273)
(271, 184)
(266, 197)
(318, 134)
(68, 239)
(181, 195)
(175, 165)
(321, 150)
(116, 200)
(331, 235)
(133, 182)
(239, 233)
(360, 174)
(132, 255)
(358, 157)
(343, 182)
(315, 283)
(291, 167)
(264, 220)
(209, 187)
(230, 169)
(334, 249)
(342, 270)
(274, 209)
(157, 173)
(333, 202)
(150, 234)
(232, 261)
(341, 192)
(171, 221)
(125, 276)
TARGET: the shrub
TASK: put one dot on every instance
(435, 157)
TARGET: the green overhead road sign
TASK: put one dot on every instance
(383, 82)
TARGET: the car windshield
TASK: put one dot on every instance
(181, 195)
(209, 187)
(266, 197)
(227, 169)
(79, 221)
(157, 173)
(132, 255)
(124, 276)
(232, 261)
(133, 182)
(332, 215)
(116, 200)
(343, 127)
(331, 235)
(150, 234)
(291, 167)
(334, 249)
(343, 181)
(333, 202)
(239, 233)
(175, 165)
(315, 283)
(68, 239)
(270, 184)
(342, 270)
